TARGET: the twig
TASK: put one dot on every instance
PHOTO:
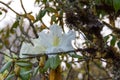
(11, 9)
(34, 31)
(23, 6)
(43, 23)
(9, 71)
(6, 48)
(31, 24)
(54, 53)
(114, 29)
(69, 72)
(87, 68)
(4, 54)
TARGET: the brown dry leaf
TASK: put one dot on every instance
(58, 73)
(43, 26)
(57, 15)
(55, 74)
(31, 17)
(42, 61)
(52, 75)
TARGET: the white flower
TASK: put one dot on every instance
(53, 41)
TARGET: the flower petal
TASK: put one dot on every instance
(56, 34)
(44, 39)
(66, 43)
(28, 48)
(25, 49)
(55, 30)
(52, 42)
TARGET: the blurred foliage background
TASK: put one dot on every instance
(97, 56)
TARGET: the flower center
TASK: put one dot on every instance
(56, 41)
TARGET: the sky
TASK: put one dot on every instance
(31, 7)
(15, 5)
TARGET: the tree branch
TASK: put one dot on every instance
(114, 29)
(55, 53)
(23, 6)
(34, 31)
(31, 24)
(11, 9)
(4, 54)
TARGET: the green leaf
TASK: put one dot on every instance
(44, 1)
(54, 62)
(24, 63)
(0, 13)
(6, 66)
(53, 18)
(113, 41)
(108, 2)
(118, 44)
(1, 45)
(97, 1)
(35, 71)
(15, 25)
(47, 64)
(41, 14)
(10, 77)
(116, 4)
(76, 56)
(106, 38)
(68, 65)
(25, 73)
(50, 9)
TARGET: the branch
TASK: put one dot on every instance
(55, 53)
(31, 24)
(34, 31)
(4, 54)
(23, 6)
(69, 72)
(114, 29)
(43, 23)
(9, 71)
(11, 9)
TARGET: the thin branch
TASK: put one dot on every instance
(34, 31)
(23, 6)
(54, 53)
(88, 69)
(114, 29)
(43, 24)
(69, 72)
(31, 24)
(9, 71)
(11, 9)
(4, 54)
(66, 52)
